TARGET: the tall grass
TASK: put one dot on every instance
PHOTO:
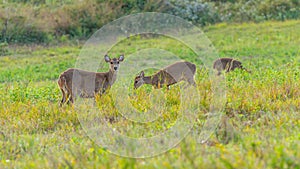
(262, 109)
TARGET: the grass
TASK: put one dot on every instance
(262, 107)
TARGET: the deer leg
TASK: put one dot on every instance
(193, 83)
(71, 97)
(102, 92)
(228, 67)
(69, 100)
(63, 100)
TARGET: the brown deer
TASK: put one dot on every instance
(179, 71)
(227, 64)
(76, 82)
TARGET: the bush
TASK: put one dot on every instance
(198, 12)
(32, 21)
(19, 25)
(260, 10)
(279, 9)
(4, 49)
(18, 31)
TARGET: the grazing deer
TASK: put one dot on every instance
(179, 71)
(227, 64)
(87, 84)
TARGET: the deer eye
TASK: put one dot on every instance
(118, 62)
(111, 63)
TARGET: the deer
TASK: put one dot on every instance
(85, 84)
(172, 74)
(227, 64)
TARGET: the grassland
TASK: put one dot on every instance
(263, 107)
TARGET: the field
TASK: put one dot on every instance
(261, 115)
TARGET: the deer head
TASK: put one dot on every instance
(114, 63)
(139, 80)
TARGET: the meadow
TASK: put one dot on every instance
(261, 113)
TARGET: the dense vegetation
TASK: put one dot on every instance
(263, 106)
(24, 21)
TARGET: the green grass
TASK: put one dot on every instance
(263, 107)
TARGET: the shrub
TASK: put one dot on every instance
(19, 31)
(4, 49)
(198, 12)
(32, 21)
(279, 9)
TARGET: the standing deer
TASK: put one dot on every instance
(86, 84)
(179, 71)
(227, 64)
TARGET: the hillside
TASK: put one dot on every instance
(263, 106)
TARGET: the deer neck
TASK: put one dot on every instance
(147, 79)
(112, 76)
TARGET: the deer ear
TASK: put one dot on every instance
(142, 74)
(121, 58)
(106, 58)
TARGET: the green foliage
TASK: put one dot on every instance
(17, 31)
(198, 12)
(262, 106)
(4, 49)
(46, 21)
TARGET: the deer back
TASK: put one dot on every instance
(84, 82)
(175, 73)
(181, 70)
(227, 64)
